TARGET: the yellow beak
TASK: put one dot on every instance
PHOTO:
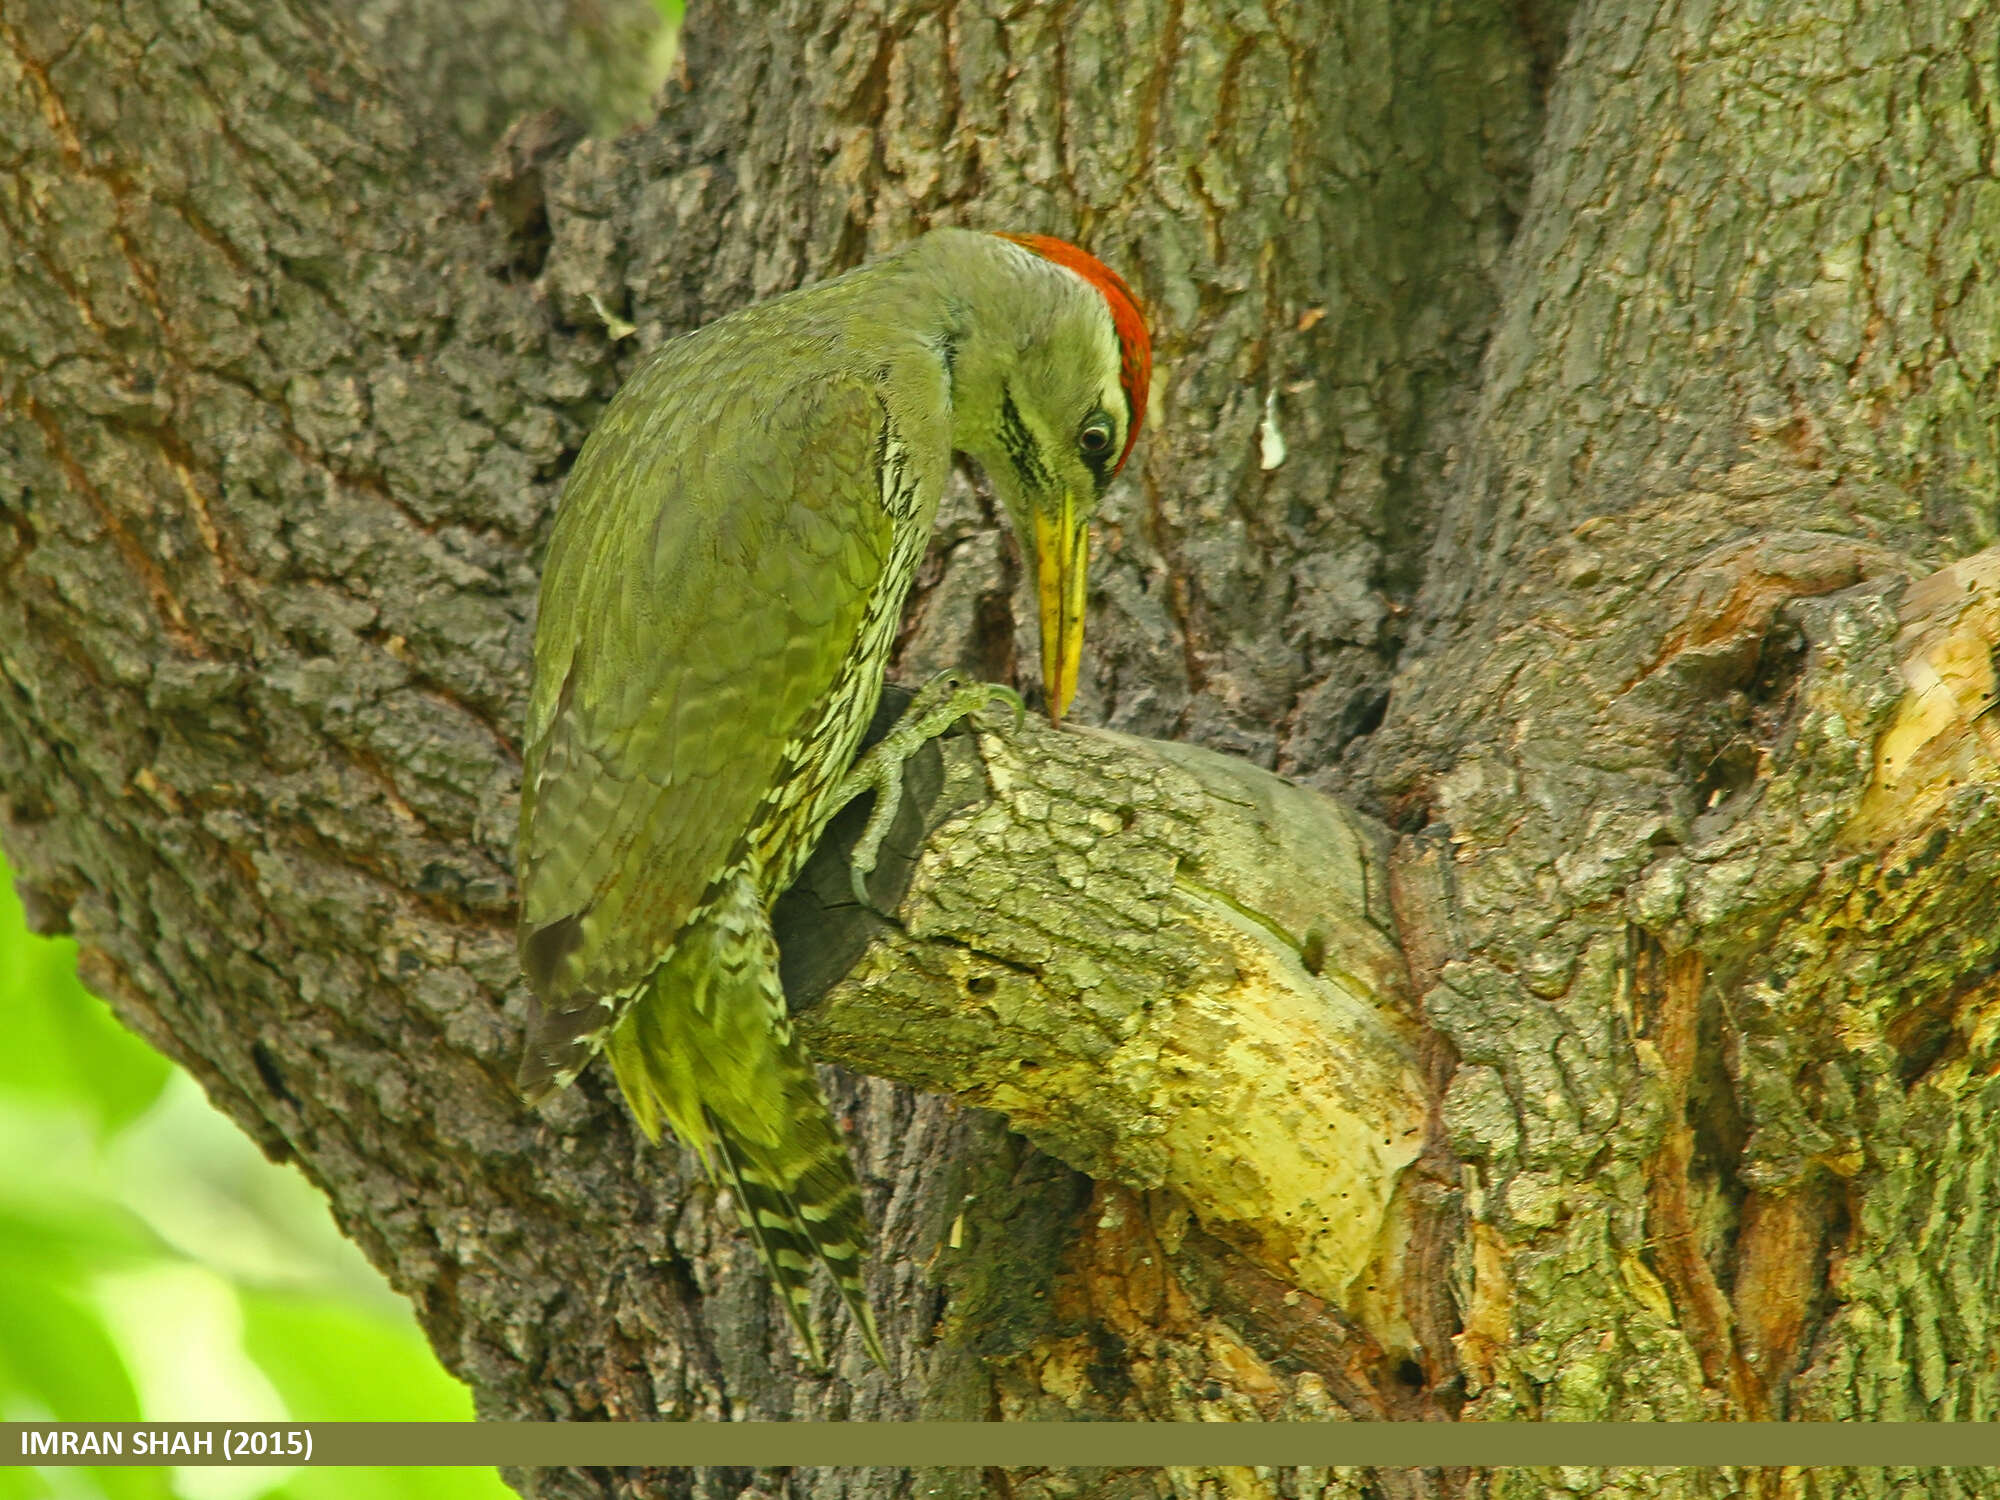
(1062, 558)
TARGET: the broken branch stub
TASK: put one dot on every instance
(1164, 966)
(1944, 743)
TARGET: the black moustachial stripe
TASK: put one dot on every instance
(1022, 449)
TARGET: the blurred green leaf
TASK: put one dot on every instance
(335, 1364)
(136, 1483)
(69, 1242)
(64, 1043)
(86, 1484)
(58, 1356)
(58, 1362)
(394, 1484)
(107, 1181)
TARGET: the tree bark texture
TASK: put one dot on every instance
(1573, 447)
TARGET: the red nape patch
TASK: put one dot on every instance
(1135, 347)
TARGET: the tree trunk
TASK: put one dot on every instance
(1568, 467)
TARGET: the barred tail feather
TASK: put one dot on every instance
(708, 1050)
(791, 1228)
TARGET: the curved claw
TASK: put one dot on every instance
(1000, 693)
(858, 882)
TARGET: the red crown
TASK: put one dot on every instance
(1134, 346)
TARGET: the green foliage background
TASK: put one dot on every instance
(153, 1266)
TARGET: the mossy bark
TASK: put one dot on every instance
(1592, 494)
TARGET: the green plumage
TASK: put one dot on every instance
(703, 674)
(719, 602)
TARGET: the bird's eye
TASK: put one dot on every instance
(1095, 439)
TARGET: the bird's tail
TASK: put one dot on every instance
(708, 1048)
(798, 1213)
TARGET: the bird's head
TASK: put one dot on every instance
(1048, 391)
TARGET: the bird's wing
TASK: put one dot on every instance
(710, 569)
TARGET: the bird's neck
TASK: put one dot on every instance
(977, 299)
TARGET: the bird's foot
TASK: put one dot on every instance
(941, 703)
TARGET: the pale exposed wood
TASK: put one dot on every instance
(1167, 968)
(1944, 741)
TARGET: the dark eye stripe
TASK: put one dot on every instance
(1098, 458)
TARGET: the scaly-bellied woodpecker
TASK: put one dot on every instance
(721, 595)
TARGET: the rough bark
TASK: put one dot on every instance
(468, 72)
(1634, 625)
(1723, 947)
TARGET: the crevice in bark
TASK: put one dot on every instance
(1671, 988)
